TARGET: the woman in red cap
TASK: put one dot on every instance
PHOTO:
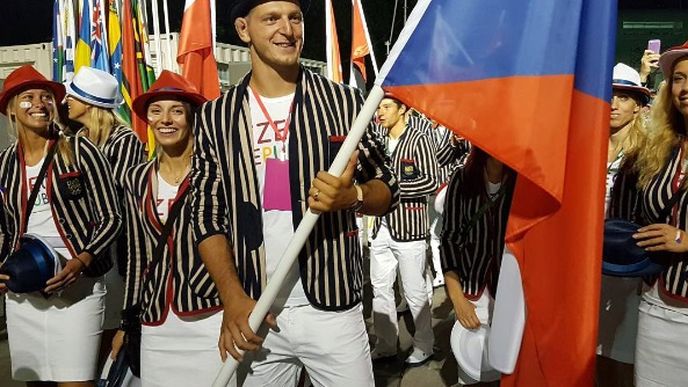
(661, 357)
(55, 336)
(168, 289)
(92, 96)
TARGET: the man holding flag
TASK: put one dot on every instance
(260, 155)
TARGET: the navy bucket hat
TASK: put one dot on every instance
(31, 266)
(621, 257)
(241, 8)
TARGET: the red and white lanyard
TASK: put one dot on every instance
(278, 137)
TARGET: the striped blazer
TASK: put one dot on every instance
(473, 231)
(226, 194)
(450, 155)
(123, 150)
(413, 160)
(674, 280)
(179, 280)
(82, 197)
(626, 198)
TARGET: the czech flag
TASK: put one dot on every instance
(529, 81)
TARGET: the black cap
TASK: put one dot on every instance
(241, 8)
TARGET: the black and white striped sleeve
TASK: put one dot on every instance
(451, 225)
(449, 152)
(373, 163)
(210, 215)
(125, 153)
(136, 245)
(97, 176)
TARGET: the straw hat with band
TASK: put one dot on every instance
(168, 86)
(627, 78)
(95, 87)
(24, 78)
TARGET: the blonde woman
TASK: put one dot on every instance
(661, 357)
(55, 338)
(169, 292)
(91, 97)
(620, 298)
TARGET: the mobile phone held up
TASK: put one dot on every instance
(654, 45)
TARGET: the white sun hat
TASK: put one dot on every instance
(95, 87)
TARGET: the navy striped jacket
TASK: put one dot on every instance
(226, 197)
(414, 161)
(179, 280)
(82, 197)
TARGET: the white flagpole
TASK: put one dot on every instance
(170, 63)
(303, 231)
(156, 33)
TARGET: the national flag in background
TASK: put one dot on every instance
(115, 51)
(64, 36)
(334, 61)
(132, 59)
(529, 81)
(195, 54)
(361, 46)
(58, 41)
(83, 46)
(100, 57)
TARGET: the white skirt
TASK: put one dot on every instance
(661, 357)
(619, 300)
(182, 351)
(56, 339)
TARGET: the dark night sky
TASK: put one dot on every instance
(29, 21)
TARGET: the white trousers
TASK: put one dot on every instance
(386, 255)
(331, 346)
(435, 231)
(181, 352)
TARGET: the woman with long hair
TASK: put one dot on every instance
(661, 357)
(54, 335)
(92, 96)
(168, 290)
(619, 298)
(472, 241)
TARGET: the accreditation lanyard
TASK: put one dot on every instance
(278, 137)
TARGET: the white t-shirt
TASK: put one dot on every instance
(278, 227)
(166, 194)
(392, 145)
(41, 219)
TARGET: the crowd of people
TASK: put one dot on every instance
(163, 258)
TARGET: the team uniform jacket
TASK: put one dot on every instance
(226, 196)
(82, 198)
(123, 150)
(673, 282)
(414, 162)
(474, 252)
(179, 280)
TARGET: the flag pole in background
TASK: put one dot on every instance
(171, 65)
(334, 61)
(159, 62)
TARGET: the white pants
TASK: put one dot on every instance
(661, 356)
(332, 346)
(435, 231)
(619, 300)
(56, 339)
(181, 352)
(386, 255)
